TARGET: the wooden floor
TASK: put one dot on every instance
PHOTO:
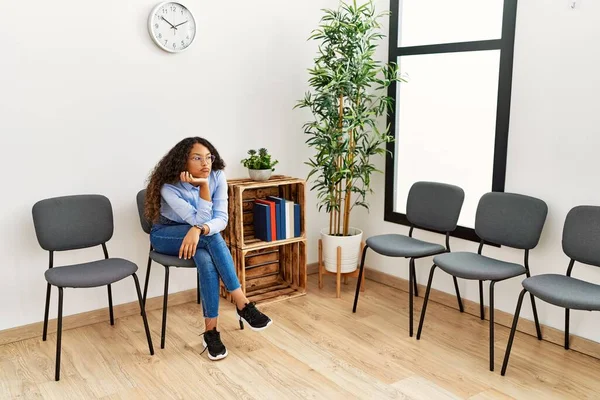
(316, 348)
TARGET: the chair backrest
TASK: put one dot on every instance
(510, 219)
(435, 206)
(141, 199)
(73, 222)
(581, 235)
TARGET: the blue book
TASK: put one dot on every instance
(281, 221)
(262, 222)
(278, 222)
(296, 220)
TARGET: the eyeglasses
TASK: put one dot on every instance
(208, 160)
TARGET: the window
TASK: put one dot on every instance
(450, 121)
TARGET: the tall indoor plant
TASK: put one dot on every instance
(347, 99)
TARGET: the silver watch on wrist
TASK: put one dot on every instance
(201, 227)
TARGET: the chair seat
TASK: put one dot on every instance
(393, 245)
(172, 261)
(91, 274)
(564, 291)
(468, 265)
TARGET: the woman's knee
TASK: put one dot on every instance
(214, 240)
(204, 261)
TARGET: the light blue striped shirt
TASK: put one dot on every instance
(181, 203)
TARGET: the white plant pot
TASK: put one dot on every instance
(350, 249)
(259, 174)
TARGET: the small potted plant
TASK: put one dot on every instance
(259, 164)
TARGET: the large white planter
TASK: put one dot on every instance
(350, 249)
(259, 174)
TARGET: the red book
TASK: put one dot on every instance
(271, 205)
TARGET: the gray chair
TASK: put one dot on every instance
(78, 222)
(581, 243)
(164, 260)
(432, 206)
(504, 219)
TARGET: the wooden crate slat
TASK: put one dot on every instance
(259, 193)
(263, 270)
(302, 266)
(300, 194)
(287, 263)
(248, 205)
(295, 261)
(272, 294)
(268, 286)
(267, 289)
(277, 299)
(266, 281)
(259, 244)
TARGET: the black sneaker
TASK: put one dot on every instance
(250, 314)
(212, 342)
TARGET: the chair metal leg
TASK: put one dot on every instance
(534, 308)
(46, 311)
(492, 283)
(460, 304)
(425, 301)
(567, 315)
(143, 310)
(360, 275)
(481, 308)
(535, 317)
(512, 332)
(414, 274)
(146, 281)
(163, 331)
(59, 334)
(197, 287)
(411, 276)
(110, 306)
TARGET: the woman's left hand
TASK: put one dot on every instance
(190, 243)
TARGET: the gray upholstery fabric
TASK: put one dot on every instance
(581, 235)
(434, 206)
(92, 274)
(474, 266)
(73, 222)
(510, 219)
(403, 246)
(564, 291)
(141, 198)
(171, 261)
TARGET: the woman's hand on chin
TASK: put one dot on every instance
(185, 176)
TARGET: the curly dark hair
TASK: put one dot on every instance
(168, 170)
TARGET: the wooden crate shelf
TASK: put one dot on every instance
(243, 192)
(268, 271)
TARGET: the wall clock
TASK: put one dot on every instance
(172, 26)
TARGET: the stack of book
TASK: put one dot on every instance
(276, 218)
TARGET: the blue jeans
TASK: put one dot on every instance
(212, 260)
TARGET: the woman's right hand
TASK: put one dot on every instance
(189, 178)
(190, 243)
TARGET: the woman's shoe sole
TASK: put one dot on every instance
(215, 358)
(256, 329)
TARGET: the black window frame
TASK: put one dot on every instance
(506, 46)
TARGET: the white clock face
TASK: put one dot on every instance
(172, 26)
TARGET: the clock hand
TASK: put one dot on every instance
(164, 19)
(180, 24)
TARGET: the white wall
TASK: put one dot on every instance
(89, 104)
(552, 152)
